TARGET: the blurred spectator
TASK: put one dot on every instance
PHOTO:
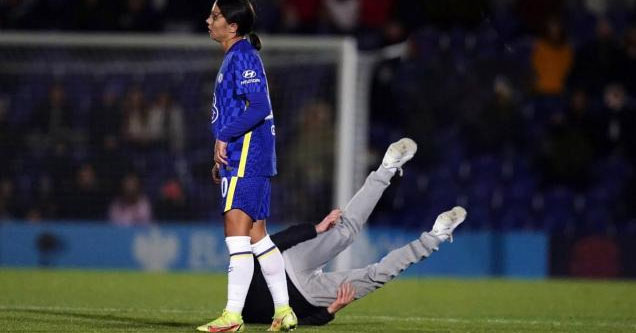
(596, 63)
(268, 15)
(111, 164)
(499, 126)
(139, 15)
(170, 118)
(624, 210)
(454, 13)
(343, 15)
(410, 14)
(568, 150)
(534, 13)
(85, 200)
(50, 15)
(59, 166)
(580, 114)
(34, 215)
(376, 28)
(106, 119)
(302, 16)
(94, 15)
(618, 121)
(173, 205)
(375, 14)
(10, 139)
(43, 205)
(312, 175)
(178, 16)
(17, 14)
(406, 97)
(51, 122)
(627, 65)
(8, 206)
(132, 206)
(598, 7)
(551, 59)
(143, 126)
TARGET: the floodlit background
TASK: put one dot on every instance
(523, 112)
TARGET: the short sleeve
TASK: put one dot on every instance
(249, 74)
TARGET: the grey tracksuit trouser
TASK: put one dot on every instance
(305, 261)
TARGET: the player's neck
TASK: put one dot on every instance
(228, 43)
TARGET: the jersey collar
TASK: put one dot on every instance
(239, 45)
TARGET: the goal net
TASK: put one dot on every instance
(142, 103)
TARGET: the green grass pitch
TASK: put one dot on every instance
(104, 301)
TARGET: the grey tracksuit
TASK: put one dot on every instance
(305, 261)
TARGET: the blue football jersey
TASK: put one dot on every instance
(253, 154)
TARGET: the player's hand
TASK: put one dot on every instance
(346, 295)
(220, 152)
(216, 175)
(329, 221)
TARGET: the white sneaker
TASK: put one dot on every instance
(446, 223)
(399, 153)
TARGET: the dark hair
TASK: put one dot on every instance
(242, 13)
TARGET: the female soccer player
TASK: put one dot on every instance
(245, 159)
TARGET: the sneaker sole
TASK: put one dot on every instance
(405, 145)
(460, 213)
(284, 329)
(235, 328)
(405, 148)
(458, 216)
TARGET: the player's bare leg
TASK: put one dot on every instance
(258, 231)
(237, 223)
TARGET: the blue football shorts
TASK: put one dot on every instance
(250, 194)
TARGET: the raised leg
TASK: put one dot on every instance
(315, 253)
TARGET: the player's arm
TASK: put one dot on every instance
(258, 109)
(299, 233)
(216, 175)
(293, 235)
(346, 295)
(250, 83)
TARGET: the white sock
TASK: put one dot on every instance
(240, 272)
(273, 268)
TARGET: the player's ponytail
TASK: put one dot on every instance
(242, 13)
(254, 40)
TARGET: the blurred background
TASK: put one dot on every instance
(523, 110)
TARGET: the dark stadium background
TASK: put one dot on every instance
(524, 112)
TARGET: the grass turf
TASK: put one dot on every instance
(101, 301)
